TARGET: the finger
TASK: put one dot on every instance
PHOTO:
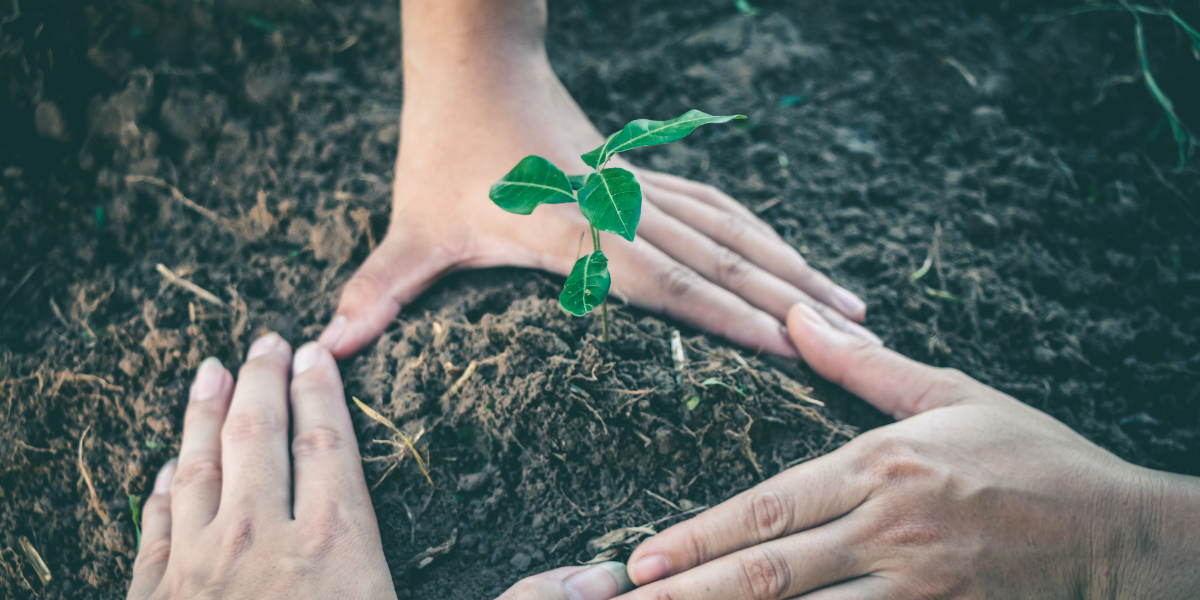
(894, 384)
(325, 456)
(154, 548)
(254, 441)
(196, 486)
(773, 570)
(656, 282)
(867, 587)
(708, 195)
(773, 255)
(731, 271)
(598, 582)
(404, 265)
(766, 512)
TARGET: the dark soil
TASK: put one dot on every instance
(1067, 267)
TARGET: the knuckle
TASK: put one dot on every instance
(678, 281)
(318, 441)
(236, 540)
(326, 530)
(770, 514)
(765, 574)
(193, 472)
(252, 424)
(896, 459)
(696, 543)
(202, 412)
(732, 269)
(907, 534)
(734, 228)
(152, 552)
(158, 507)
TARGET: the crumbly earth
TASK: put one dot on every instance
(247, 146)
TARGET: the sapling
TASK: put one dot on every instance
(609, 198)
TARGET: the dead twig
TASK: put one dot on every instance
(663, 500)
(175, 193)
(94, 499)
(200, 292)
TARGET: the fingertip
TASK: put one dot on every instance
(333, 332)
(310, 355)
(162, 481)
(600, 582)
(648, 569)
(267, 343)
(849, 304)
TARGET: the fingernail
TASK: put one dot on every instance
(209, 378)
(333, 332)
(811, 315)
(162, 483)
(264, 345)
(847, 303)
(863, 332)
(601, 582)
(307, 357)
(650, 568)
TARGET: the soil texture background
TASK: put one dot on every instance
(247, 147)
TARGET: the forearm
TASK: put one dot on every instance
(479, 35)
(1162, 545)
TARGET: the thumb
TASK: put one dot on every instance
(894, 384)
(599, 582)
(393, 275)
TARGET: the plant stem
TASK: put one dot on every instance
(603, 305)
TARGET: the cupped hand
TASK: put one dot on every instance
(972, 495)
(699, 256)
(242, 514)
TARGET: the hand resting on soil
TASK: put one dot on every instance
(241, 515)
(972, 495)
(480, 95)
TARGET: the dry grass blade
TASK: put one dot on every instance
(200, 292)
(178, 195)
(378, 418)
(35, 559)
(962, 70)
(94, 499)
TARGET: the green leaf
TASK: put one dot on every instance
(576, 181)
(533, 182)
(693, 402)
(612, 201)
(587, 285)
(644, 132)
(136, 509)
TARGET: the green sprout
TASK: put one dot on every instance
(609, 198)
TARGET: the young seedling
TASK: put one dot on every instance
(609, 198)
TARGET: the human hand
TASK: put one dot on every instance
(972, 495)
(228, 520)
(598, 582)
(700, 256)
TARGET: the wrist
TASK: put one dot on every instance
(447, 39)
(1154, 540)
